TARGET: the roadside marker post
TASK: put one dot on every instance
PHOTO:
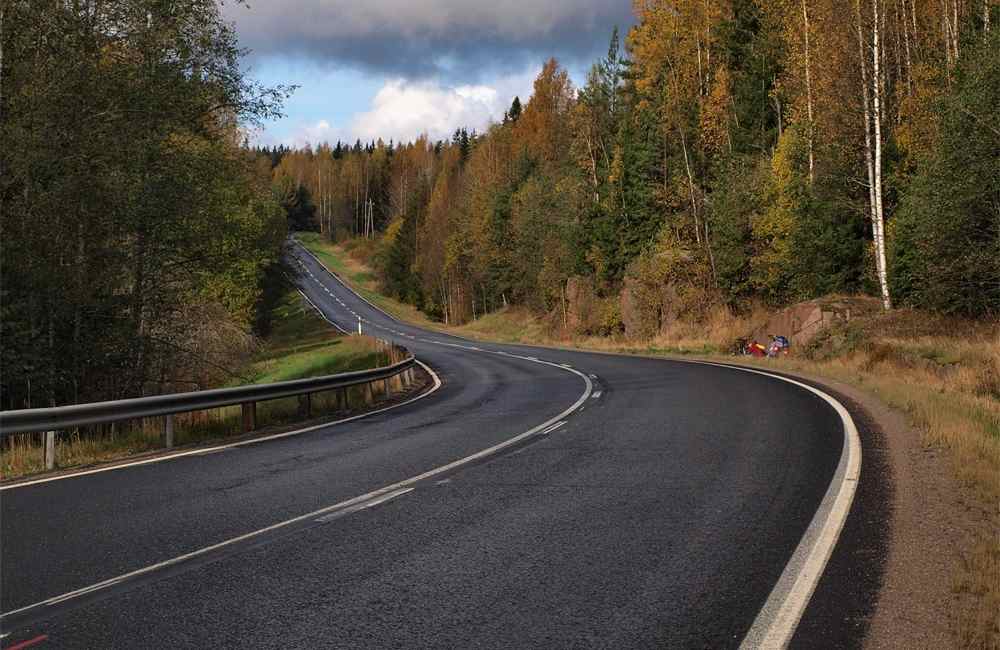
(50, 450)
(168, 430)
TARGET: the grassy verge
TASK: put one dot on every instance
(301, 344)
(360, 278)
(943, 373)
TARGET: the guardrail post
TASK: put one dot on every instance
(385, 387)
(168, 430)
(50, 450)
(342, 402)
(249, 416)
(305, 405)
(369, 393)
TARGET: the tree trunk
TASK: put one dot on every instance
(906, 44)
(809, 97)
(1, 59)
(897, 50)
(877, 96)
(690, 175)
(869, 156)
(955, 28)
(319, 183)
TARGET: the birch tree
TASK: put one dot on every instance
(878, 105)
(809, 92)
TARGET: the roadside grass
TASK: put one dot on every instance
(943, 373)
(301, 344)
(360, 278)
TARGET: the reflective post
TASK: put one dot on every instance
(168, 430)
(50, 450)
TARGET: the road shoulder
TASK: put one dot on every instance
(889, 581)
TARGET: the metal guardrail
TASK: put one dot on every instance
(60, 418)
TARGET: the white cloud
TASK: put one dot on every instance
(402, 110)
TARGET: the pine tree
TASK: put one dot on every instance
(515, 109)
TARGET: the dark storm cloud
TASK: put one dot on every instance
(429, 37)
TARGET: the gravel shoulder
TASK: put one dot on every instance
(907, 532)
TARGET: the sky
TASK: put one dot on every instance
(396, 68)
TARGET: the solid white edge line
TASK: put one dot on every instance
(322, 315)
(779, 617)
(777, 620)
(345, 285)
(374, 494)
(241, 443)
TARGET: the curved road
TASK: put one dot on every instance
(659, 513)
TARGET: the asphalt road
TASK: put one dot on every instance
(660, 513)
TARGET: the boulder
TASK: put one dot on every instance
(800, 323)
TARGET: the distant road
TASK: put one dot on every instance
(615, 502)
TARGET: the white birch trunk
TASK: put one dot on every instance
(909, 59)
(809, 97)
(866, 98)
(877, 103)
(954, 27)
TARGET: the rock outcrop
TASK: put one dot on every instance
(800, 323)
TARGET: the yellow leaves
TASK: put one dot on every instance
(541, 127)
(772, 230)
(918, 128)
(391, 232)
(671, 49)
(715, 115)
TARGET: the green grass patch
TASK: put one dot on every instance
(303, 345)
(361, 279)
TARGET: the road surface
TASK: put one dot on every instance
(656, 506)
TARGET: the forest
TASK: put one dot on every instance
(137, 230)
(721, 154)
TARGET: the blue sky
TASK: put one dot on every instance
(323, 94)
(394, 69)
